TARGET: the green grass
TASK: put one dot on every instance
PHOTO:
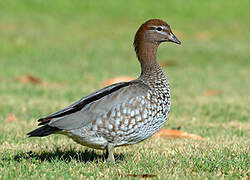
(75, 45)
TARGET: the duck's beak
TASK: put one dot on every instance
(173, 38)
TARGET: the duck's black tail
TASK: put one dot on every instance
(43, 131)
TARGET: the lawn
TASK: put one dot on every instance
(73, 46)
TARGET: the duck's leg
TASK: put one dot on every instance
(110, 153)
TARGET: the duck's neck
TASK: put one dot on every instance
(146, 53)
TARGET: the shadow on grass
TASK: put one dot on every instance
(66, 156)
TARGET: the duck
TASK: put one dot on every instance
(124, 113)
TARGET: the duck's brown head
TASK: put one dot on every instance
(150, 35)
(155, 31)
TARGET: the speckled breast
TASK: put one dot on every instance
(135, 120)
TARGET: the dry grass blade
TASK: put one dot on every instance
(29, 79)
(11, 118)
(36, 81)
(172, 133)
(117, 80)
(212, 92)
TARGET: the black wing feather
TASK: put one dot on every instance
(43, 131)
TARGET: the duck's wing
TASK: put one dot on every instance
(92, 106)
(80, 104)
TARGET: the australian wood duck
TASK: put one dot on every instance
(124, 113)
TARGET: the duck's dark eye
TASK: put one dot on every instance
(159, 29)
